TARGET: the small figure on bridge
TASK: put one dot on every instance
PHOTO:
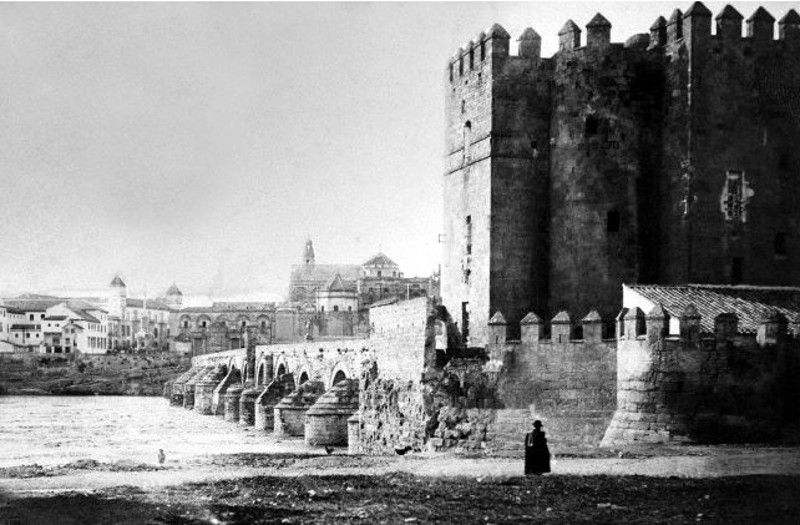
(537, 454)
(161, 456)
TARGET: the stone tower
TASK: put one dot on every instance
(495, 201)
(174, 297)
(117, 296)
(669, 159)
(308, 253)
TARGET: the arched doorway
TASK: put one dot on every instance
(281, 370)
(303, 377)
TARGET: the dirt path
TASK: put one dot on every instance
(696, 463)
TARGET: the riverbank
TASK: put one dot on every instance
(105, 374)
(735, 485)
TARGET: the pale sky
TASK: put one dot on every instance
(202, 143)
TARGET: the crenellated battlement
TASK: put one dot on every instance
(686, 328)
(690, 28)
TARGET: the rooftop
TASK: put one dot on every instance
(751, 304)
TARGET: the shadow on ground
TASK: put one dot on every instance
(405, 498)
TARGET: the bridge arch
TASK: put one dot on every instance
(338, 373)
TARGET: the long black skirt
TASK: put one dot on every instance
(537, 459)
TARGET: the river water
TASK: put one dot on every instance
(51, 430)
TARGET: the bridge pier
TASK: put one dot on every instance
(176, 396)
(218, 397)
(232, 396)
(204, 390)
(189, 386)
(291, 411)
(265, 403)
(326, 420)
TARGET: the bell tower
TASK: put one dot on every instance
(308, 253)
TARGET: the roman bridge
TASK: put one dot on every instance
(310, 388)
(280, 387)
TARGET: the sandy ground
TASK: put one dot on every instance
(298, 460)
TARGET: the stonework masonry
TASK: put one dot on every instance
(668, 159)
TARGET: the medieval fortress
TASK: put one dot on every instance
(584, 194)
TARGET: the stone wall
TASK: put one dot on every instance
(568, 381)
(721, 387)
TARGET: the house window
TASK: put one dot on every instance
(30, 316)
(335, 308)
(780, 244)
(612, 221)
(379, 273)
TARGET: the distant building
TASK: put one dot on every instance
(337, 287)
(75, 326)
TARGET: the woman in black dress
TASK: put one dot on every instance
(537, 455)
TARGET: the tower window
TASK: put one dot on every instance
(483, 50)
(467, 140)
(591, 126)
(612, 221)
(468, 236)
(471, 58)
(737, 269)
(780, 244)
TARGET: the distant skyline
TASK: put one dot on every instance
(202, 144)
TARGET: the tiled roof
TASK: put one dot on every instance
(81, 304)
(55, 318)
(320, 274)
(26, 326)
(380, 260)
(173, 290)
(384, 302)
(335, 284)
(32, 303)
(751, 304)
